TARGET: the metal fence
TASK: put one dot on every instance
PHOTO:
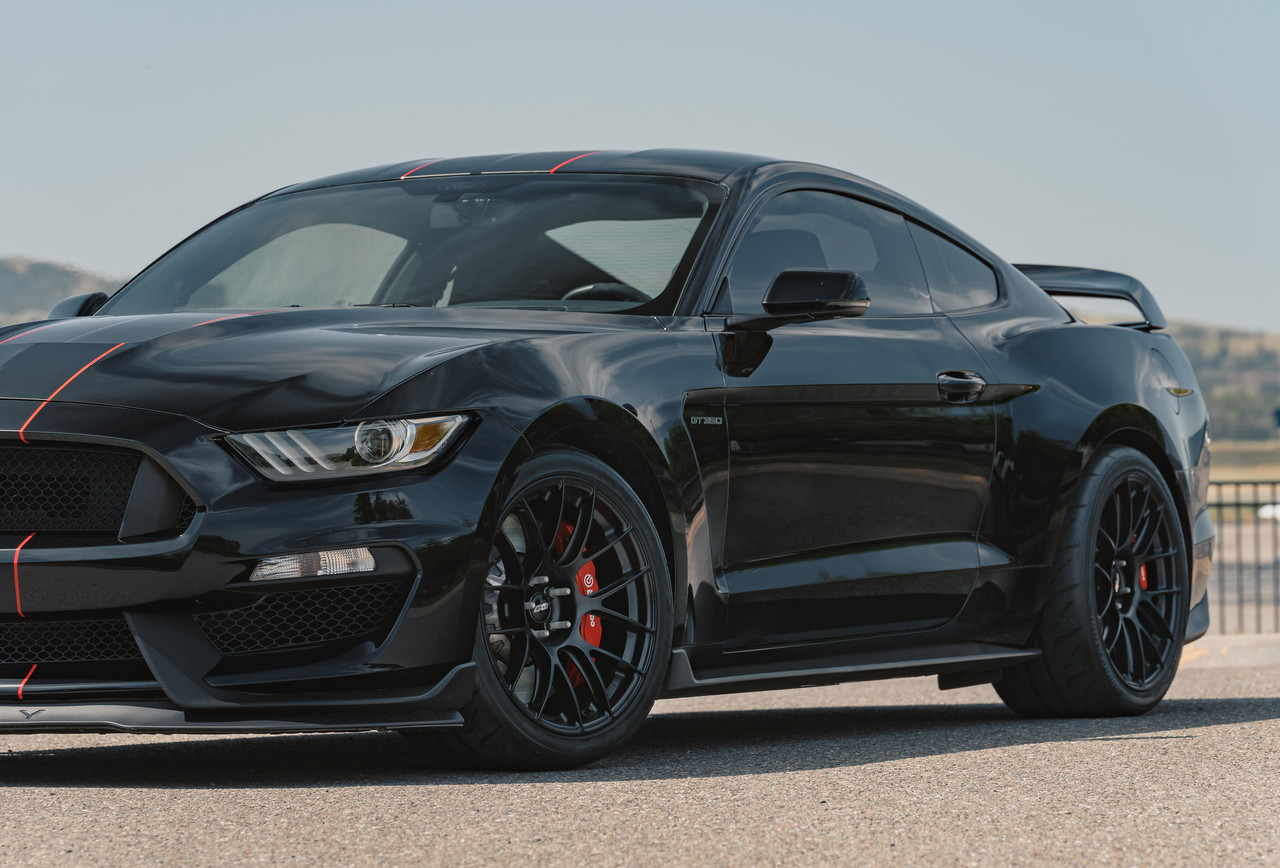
(1244, 587)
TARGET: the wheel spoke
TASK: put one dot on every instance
(1116, 629)
(516, 570)
(1111, 541)
(581, 528)
(592, 677)
(575, 704)
(622, 620)
(1140, 516)
(620, 662)
(1133, 646)
(503, 631)
(1117, 506)
(537, 530)
(512, 675)
(625, 581)
(1149, 530)
(613, 542)
(1161, 555)
(1153, 620)
(1103, 582)
(543, 685)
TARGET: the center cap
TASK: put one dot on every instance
(540, 607)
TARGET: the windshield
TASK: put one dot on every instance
(573, 243)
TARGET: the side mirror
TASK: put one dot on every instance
(78, 305)
(807, 294)
(817, 294)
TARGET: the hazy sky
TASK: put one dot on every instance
(1142, 137)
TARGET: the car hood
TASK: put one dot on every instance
(245, 371)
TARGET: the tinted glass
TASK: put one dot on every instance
(515, 241)
(958, 280)
(809, 229)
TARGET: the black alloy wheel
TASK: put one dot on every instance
(1112, 628)
(1137, 588)
(575, 622)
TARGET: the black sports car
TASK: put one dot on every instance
(495, 451)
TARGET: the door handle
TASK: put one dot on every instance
(960, 387)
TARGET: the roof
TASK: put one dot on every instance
(704, 165)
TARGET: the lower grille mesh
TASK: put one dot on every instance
(103, 640)
(294, 618)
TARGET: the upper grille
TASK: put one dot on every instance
(293, 618)
(103, 639)
(58, 488)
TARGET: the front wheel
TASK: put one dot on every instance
(1112, 628)
(574, 632)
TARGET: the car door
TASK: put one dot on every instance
(860, 448)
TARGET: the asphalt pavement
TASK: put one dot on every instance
(875, 773)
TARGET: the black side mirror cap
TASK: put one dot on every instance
(807, 294)
(78, 305)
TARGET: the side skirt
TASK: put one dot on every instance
(869, 666)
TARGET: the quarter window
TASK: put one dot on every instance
(958, 280)
(810, 229)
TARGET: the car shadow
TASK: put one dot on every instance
(668, 746)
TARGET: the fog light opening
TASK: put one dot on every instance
(335, 562)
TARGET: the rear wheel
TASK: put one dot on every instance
(574, 633)
(1111, 630)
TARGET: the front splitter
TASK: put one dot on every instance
(162, 717)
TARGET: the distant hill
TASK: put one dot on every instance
(1239, 371)
(29, 288)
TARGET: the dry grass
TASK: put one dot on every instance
(1245, 461)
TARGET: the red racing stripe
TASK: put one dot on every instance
(28, 332)
(28, 678)
(22, 430)
(570, 160)
(423, 166)
(17, 592)
(231, 316)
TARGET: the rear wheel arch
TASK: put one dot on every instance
(1148, 439)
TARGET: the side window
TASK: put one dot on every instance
(958, 280)
(809, 229)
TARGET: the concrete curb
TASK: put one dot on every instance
(1218, 650)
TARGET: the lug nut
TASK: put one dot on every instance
(559, 592)
(560, 625)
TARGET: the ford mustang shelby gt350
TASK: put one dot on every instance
(496, 451)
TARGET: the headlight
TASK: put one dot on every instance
(350, 450)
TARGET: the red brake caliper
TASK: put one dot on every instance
(591, 626)
(1142, 576)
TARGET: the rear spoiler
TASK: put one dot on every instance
(1091, 282)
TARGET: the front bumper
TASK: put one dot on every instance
(163, 632)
